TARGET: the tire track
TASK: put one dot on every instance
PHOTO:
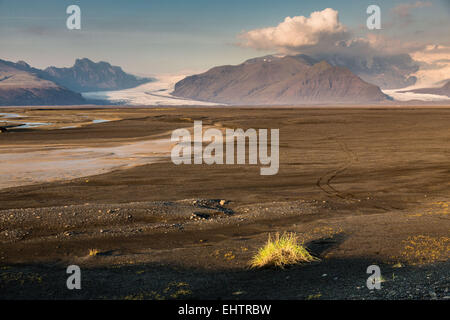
(324, 181)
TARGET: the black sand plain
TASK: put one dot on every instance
(360, 186)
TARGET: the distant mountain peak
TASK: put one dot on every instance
(447, 85)
(268, 58)
(306, 59)
(22, 85)
(387, 72)
(82, 62)
(86, 75)
(23, 64)
(322, 66)
(288, 80)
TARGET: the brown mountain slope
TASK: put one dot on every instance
(272, 80)
(18, 87)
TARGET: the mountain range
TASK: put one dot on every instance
(86, 75)
(386, 72)
(18, 87)
(21, 84)
(269, 80)
(275, 80)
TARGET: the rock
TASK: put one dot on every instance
(222, 202)
(203, 216)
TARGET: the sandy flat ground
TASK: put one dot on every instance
(359, 186)
(35, 164)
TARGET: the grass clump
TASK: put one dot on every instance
(93, 252)
(281, 251)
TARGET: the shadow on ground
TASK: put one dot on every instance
(329, 279)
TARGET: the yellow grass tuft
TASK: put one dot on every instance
(423, 249)
(93, 252)
(281, 251)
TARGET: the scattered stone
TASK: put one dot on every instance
(202, 216)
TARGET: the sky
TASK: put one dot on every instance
(149, 37)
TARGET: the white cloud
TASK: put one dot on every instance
(298, 32)
(322, 32)
(322, 35)
(435, 60)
